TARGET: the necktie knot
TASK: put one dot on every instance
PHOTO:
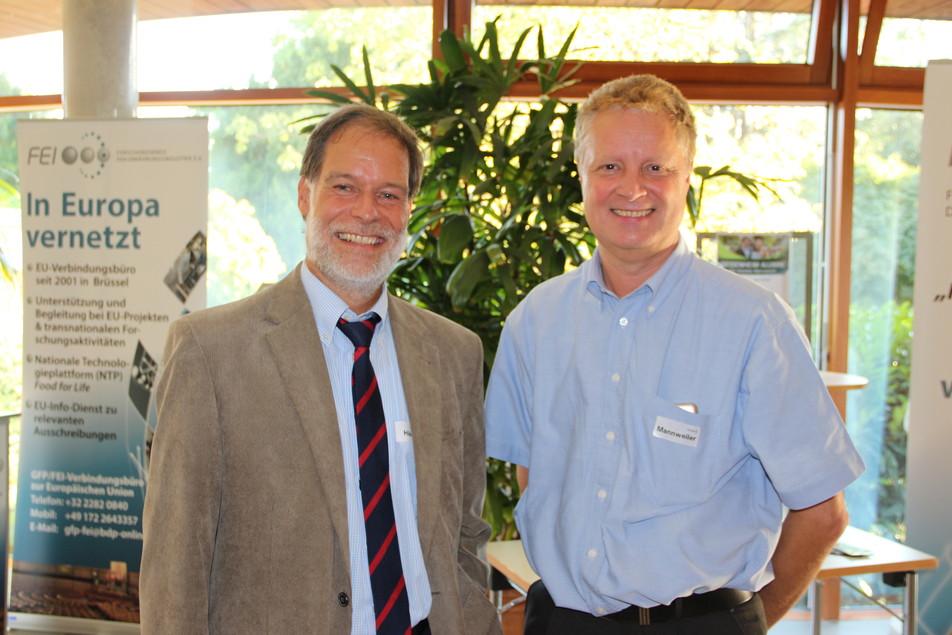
(360, 332)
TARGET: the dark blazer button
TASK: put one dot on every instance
(343, 599)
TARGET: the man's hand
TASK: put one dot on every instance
(522, 477)
(805, 540)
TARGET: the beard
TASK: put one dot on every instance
(363, 277)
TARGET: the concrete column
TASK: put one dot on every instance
(99, 59)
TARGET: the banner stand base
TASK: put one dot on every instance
(58, 625)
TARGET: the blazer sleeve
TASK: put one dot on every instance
(475, 532)
(183, 493)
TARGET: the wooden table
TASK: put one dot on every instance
(844, 381)
(885, 556)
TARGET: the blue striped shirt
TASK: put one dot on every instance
(339, 353)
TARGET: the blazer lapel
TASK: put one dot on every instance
(419, 371)
(298, 353)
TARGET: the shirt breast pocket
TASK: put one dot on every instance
(685, 455)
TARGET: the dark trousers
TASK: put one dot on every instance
(543, 617)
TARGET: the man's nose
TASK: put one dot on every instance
(365, 207)
(632, 187)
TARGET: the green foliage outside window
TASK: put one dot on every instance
(659, 33)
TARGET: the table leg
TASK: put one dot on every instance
(816, 605)
(831, 598)
(910, 604)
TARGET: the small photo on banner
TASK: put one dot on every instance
(141, 384)
(142, 380)
(188, 267)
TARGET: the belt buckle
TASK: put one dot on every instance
(644, 616)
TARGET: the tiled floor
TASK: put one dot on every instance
(891, 626)
(798, 625)
(512, 625)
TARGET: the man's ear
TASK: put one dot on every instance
(304, 196)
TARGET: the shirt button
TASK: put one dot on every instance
(325, 336)
(593, 553)
(623, 321)
(610, 435)
(602, 494)
(616, 377)
(601, 610)
(651, 309)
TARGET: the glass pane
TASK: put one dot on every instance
(912, 42)
(11, 288)
(883, 262)
(32, 65)
(631, 34)
(250, 50)
(283, 48)
(783, 146)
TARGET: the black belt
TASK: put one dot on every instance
(690, 606)
(422, 628)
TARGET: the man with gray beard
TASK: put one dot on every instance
(296, 486)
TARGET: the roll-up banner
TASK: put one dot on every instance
(114, 218)
(929, 470)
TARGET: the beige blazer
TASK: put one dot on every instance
(245, 519)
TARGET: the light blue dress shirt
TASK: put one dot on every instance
(339, 353)
(632, 499)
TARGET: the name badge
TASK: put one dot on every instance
(676, 431)
(401, 432)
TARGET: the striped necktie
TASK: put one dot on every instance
(391, 605)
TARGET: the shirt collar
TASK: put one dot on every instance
(657, 285)
(328, 308)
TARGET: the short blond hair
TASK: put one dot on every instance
(638, 92)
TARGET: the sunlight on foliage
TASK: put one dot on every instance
(242, 256)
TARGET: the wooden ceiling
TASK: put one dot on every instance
(25, 17)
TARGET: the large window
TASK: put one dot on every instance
(911, 42)
(32, 64)
(11, 285)
(251, 50)
(11, 310)
(884, 232)
(282, 48)
(881, 312)
(633, 34)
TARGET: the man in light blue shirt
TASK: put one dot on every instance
(255, 521)
(664, 414)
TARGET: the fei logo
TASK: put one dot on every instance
(90, 155)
